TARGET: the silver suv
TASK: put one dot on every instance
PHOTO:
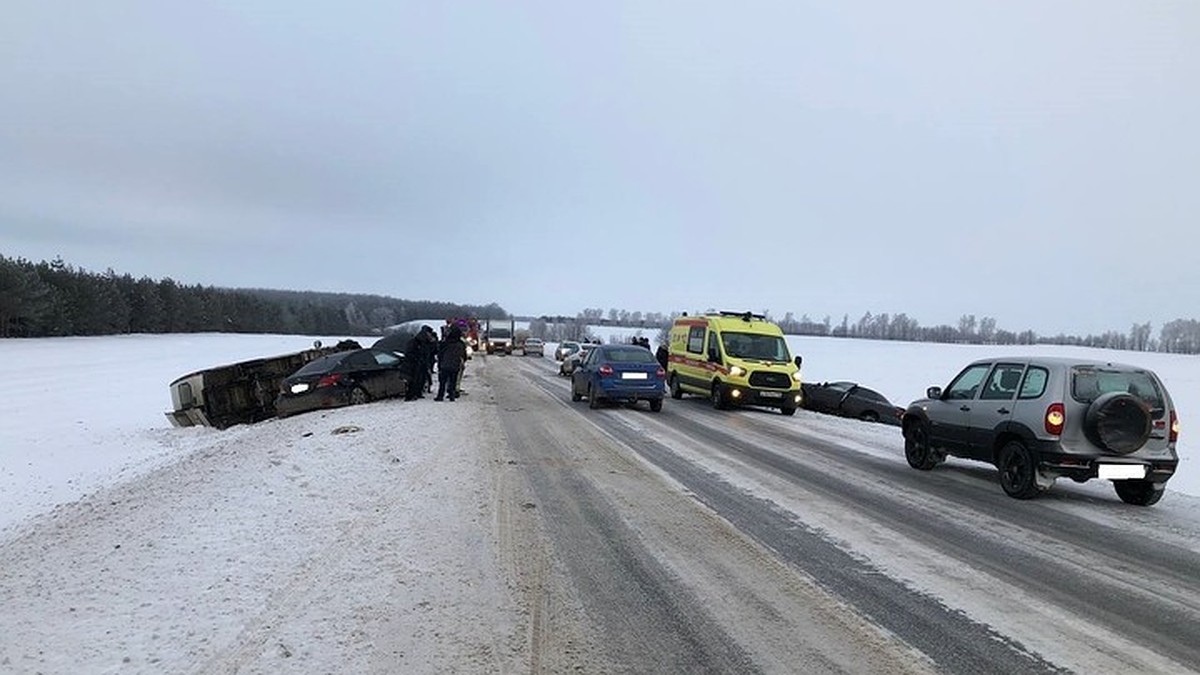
(1041, 418)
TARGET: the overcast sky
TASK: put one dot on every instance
(1033, 161)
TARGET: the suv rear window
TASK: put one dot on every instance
(1088, 384)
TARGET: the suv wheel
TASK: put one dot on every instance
(358, 396)
(1118, 422)
(1138, 492)
(593, 399)
(1018, 472)
(916, 447)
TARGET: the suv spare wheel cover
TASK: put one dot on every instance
(1118, 422)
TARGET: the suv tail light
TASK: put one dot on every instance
(1056, 418)
(606, 370)
(660, 374)
(1174, 434)
(329, 380)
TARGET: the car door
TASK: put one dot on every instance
(992, 412)
(860, 400)
(365, 372)
(391, 370)
(582, 374)
(950, 415)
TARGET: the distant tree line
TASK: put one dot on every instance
(56, 299)
(1181, 336)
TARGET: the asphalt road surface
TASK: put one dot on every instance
(697, 540)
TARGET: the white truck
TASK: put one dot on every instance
(499, 335)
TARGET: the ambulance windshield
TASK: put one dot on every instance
(755, 346)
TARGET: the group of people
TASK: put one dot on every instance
(661, 355)
(425, 352)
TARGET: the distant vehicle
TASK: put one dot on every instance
(619, 373)
(534, 346)
(499, 336)
(571, 361)
(238, 393)
(565, 349)
(1038, 419)
(346, 378)
(849, 399)
(470, 330)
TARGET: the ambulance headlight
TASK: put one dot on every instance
(737, 371)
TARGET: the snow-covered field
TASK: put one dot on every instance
(82, 413)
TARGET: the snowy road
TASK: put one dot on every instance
(514, 531)
(943, 561)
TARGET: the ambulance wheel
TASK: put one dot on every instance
(676, 390)
(717, 396)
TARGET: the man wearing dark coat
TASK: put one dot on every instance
(452, 354)
(427, 351)
(662, 355)
(415, 367)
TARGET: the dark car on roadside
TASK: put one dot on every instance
(347, 378)
(619, 374)
(849, 399)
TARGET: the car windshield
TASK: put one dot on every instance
(755, 346)
(1088, 384)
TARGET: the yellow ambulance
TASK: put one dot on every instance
(733, 358)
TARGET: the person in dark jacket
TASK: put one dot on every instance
(452, 354)
(428, 353)
(415, 368)
(662, 356)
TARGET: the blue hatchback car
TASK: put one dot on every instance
(620, 373)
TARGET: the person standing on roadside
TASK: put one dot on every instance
(452, 354)
(428, 350)
(663, 356)
(415, 368)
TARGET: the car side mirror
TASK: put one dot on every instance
(798, 360)
(933, 392)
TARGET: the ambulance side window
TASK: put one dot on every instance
(714, 352)
(695, 341)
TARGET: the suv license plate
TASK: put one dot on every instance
(1120, 471)
(771, 394)
(634, 376)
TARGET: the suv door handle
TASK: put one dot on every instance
(1003, 411)
(965, 408)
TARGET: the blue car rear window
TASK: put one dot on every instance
(630, 355)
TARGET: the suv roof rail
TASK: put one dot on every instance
(746, 316)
